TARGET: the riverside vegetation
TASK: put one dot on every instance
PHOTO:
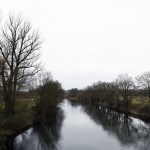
(124, 94)
(27, 93)
(30, 108)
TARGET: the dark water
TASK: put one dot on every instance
(76, 127)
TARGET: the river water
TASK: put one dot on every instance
(88, 127)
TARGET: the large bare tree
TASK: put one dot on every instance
(126, 86)
(19, 53)
(143, 82)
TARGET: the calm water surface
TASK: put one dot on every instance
(88, 127)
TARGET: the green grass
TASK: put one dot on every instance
(23, 116)
(136, 100)
(140, 101)
(24, 105)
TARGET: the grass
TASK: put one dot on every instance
(137, 101)
(140, 106)
(140, 101)
(23, 117)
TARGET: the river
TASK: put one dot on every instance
(85, 127)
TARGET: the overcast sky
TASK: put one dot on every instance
(89, 40)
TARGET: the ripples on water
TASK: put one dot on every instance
(88, 127)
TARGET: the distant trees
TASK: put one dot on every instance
(125, 86)
(143, 82)
(100, 92)
(19, 53)
(72, 93)
(120, 93)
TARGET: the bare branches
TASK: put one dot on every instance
(125, 85)
(144, 80)
(144, 83)
(19, 49)
(125, 82)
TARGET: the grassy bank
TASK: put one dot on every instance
(23, 118)
(139, 108)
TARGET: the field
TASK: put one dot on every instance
(22, 118)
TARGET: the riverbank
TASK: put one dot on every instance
(138, 108)
(14, 124)
(140, 111)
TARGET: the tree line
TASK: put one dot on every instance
(118, 93)
(19, 63)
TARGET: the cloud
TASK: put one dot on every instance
(89, 40)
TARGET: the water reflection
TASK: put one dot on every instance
(85, 127)
(129, 131)
(44, 136)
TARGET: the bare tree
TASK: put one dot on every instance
(19, 53)
(125, 85)
(143, 82)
